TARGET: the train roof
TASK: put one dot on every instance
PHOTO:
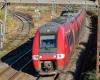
(61, 20)
(52, 25)
(65, 18)
(49, 27)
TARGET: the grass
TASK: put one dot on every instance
(1, 15)
(11, 23)
(92, 10)
(91, 75)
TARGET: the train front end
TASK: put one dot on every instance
(48, 49)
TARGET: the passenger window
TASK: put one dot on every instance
(70, 38)
(77, 33)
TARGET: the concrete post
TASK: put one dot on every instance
(5, 15)
(1, 35)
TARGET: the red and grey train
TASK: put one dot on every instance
(55, 41)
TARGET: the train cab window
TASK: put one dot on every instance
(47, 41)
(70, 38)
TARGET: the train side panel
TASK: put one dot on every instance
(35, 51)
(60, 48)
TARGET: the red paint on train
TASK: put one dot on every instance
(55, 41)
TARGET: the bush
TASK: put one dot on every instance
(91, 75)
(10, 21)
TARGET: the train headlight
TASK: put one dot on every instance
(60, 56)
(35, 57)
(48, 30)
(40, 57)
(54, 56)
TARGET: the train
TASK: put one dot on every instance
(55, 41)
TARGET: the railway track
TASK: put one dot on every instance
(70, 69)
(17, 60)
(23, 62)
(19, 35)
(52, 77)
(22, 31)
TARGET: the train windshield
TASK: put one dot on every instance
(47, 42)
